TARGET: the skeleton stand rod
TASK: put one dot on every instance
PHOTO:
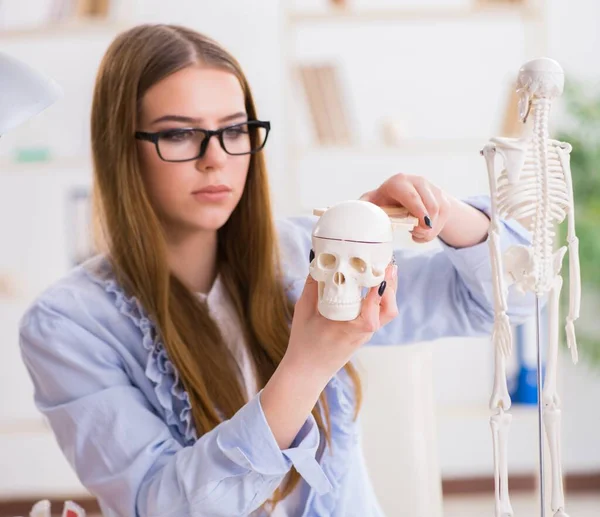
(539, 402)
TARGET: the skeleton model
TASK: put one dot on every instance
(534, 188)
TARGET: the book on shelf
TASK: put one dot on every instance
(328, 112)
(92, 8)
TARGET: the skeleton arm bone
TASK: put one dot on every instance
(502, 333)
(574, 270)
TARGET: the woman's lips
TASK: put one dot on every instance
(214, 188)
(213, 193)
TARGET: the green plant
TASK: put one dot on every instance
(581, 128)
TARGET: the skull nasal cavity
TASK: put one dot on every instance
(339, 278)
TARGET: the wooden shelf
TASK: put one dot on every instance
(61, 29)
(410, 146)
(395, 15)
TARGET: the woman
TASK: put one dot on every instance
(186, 371)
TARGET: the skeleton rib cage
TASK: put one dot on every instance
(540, 198)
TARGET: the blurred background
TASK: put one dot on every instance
(356, 91)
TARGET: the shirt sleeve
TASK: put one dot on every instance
(121, 449)
(449, 292)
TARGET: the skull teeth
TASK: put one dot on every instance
(339, 302)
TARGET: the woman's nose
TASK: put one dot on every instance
(214, 156)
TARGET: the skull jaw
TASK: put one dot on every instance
(339, 312)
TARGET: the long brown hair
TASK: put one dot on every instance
(247, 256)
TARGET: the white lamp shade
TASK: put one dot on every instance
(24, 92)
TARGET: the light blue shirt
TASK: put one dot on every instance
(123, 420)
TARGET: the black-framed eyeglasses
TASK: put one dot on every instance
(190, 143)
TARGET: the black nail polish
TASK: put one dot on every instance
(311, 256)
(382, 288)
(427, 221)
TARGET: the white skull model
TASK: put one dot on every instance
(352, 245)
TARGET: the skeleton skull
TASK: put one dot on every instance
(542, 77)
(352, 243)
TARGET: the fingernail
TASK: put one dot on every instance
(427, 221)
(382, 288)
(311, 256)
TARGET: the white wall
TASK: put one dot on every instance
(572, 37)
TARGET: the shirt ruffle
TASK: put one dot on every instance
(168, 387)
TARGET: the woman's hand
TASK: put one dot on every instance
(324, 346)
(428, 203)
(317, 349)
(439, 214)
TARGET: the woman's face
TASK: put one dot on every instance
(198, 97)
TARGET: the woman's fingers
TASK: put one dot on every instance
(429, 201)
(402, 191)
(310, 293)
(388, 307)
(438, 206)
(368, 319)
(421, 198)
(368, 196)
(379, 306)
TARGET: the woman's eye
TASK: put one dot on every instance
(234, 132)
(178, 136)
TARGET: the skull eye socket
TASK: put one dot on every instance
(377, 272)
(358, 264)
(327, 260)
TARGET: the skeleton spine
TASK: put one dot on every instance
(542, 227)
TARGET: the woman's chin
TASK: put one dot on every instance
(199, 219)
(211, 218)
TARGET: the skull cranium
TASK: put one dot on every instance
(542, 77)
(352, 242)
